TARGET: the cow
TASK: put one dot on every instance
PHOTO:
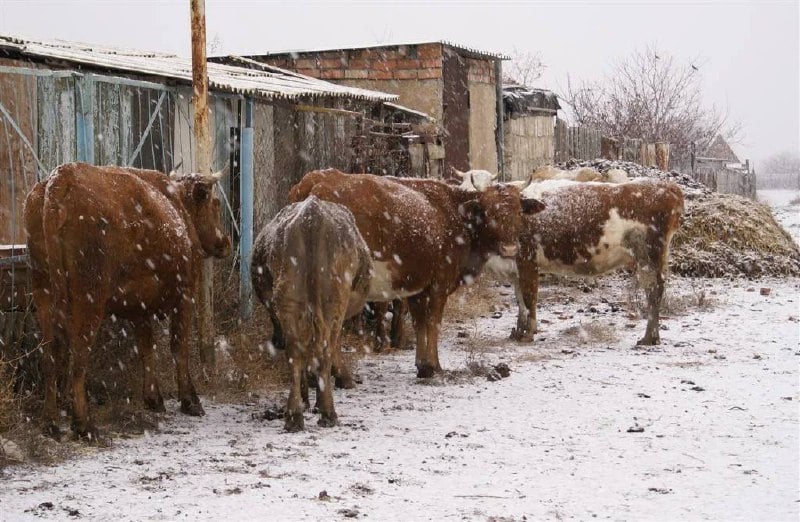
(477, 180)
(311, 268)
(125, 243)
(426, 239)
(591, 228)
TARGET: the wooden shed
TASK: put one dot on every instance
(65, 101)
(529, 129)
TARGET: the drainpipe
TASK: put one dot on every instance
(499, 135)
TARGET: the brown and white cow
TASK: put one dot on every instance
(588, 229)
(119, 242)
(426, 239)
(311, 268)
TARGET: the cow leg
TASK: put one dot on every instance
(180, 331)
(327, 417)
(398, 337)
(50, 367)
(151, 395)
(81, 336)
(381, 337)
(341, 372)
(278, 341)
(526, 286)
(293, 420)
(654, 288)
(426, 310)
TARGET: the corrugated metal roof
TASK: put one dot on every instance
(268, 82)
(459, 47)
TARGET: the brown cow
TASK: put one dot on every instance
(311, 269)
(426, 239)
(121, 242)
(588, 229)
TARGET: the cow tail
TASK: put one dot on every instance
(54, 217)
(315, 242)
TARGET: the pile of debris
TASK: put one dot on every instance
(723, 235)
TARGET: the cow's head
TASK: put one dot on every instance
(495, 216)
(199, 198)
(475, 180)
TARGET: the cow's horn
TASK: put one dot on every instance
(494, 176)
(216, 176)
(459, 173)
(528, 184)
(174, 174)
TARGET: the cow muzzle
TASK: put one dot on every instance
(509, 250)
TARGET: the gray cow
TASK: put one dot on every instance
(311, 269)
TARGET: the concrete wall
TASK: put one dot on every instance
(482, 114)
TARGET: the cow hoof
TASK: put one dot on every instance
(344, 382)
(521, 336)
(156, 405)
(328, 422)
(193, 408)
(89, 434)
(648, 341)
(294, 422)
(427, 371)
(52, 430)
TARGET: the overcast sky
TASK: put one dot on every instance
(749, 51)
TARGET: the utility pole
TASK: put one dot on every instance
(204, 313)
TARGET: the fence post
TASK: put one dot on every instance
(246, 212)
(84, 118)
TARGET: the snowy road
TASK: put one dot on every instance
(718, 404)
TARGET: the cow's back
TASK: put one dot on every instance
(403, 229)
(311, 263)
(108, 228)
(591, 228)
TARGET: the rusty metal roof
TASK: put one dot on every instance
(264, 81)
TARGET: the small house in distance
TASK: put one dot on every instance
(719, 168)
(529, 129)
(458, 86)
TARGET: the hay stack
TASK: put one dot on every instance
(728, 235)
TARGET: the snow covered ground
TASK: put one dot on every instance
(703, 426)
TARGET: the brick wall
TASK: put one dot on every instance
(402, 62)
(480, 71)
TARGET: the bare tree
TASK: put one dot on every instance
(651, 95)
(524, 68)
(780, 171)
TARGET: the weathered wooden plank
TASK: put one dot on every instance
(56, 124)
(107, 139)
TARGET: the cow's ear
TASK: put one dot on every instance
(201, 192)
(531, 206)
(471, 211)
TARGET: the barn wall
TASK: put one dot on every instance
(420, 95)
(17, 165)
(529, 143)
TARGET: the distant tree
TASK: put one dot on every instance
(651, 95)
(780, 171)
(524, 68)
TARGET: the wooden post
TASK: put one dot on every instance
(662, 155)
(204, 314)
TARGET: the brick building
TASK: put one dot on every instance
(459, 87)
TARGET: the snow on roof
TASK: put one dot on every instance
(459, 47)
(268, 82)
